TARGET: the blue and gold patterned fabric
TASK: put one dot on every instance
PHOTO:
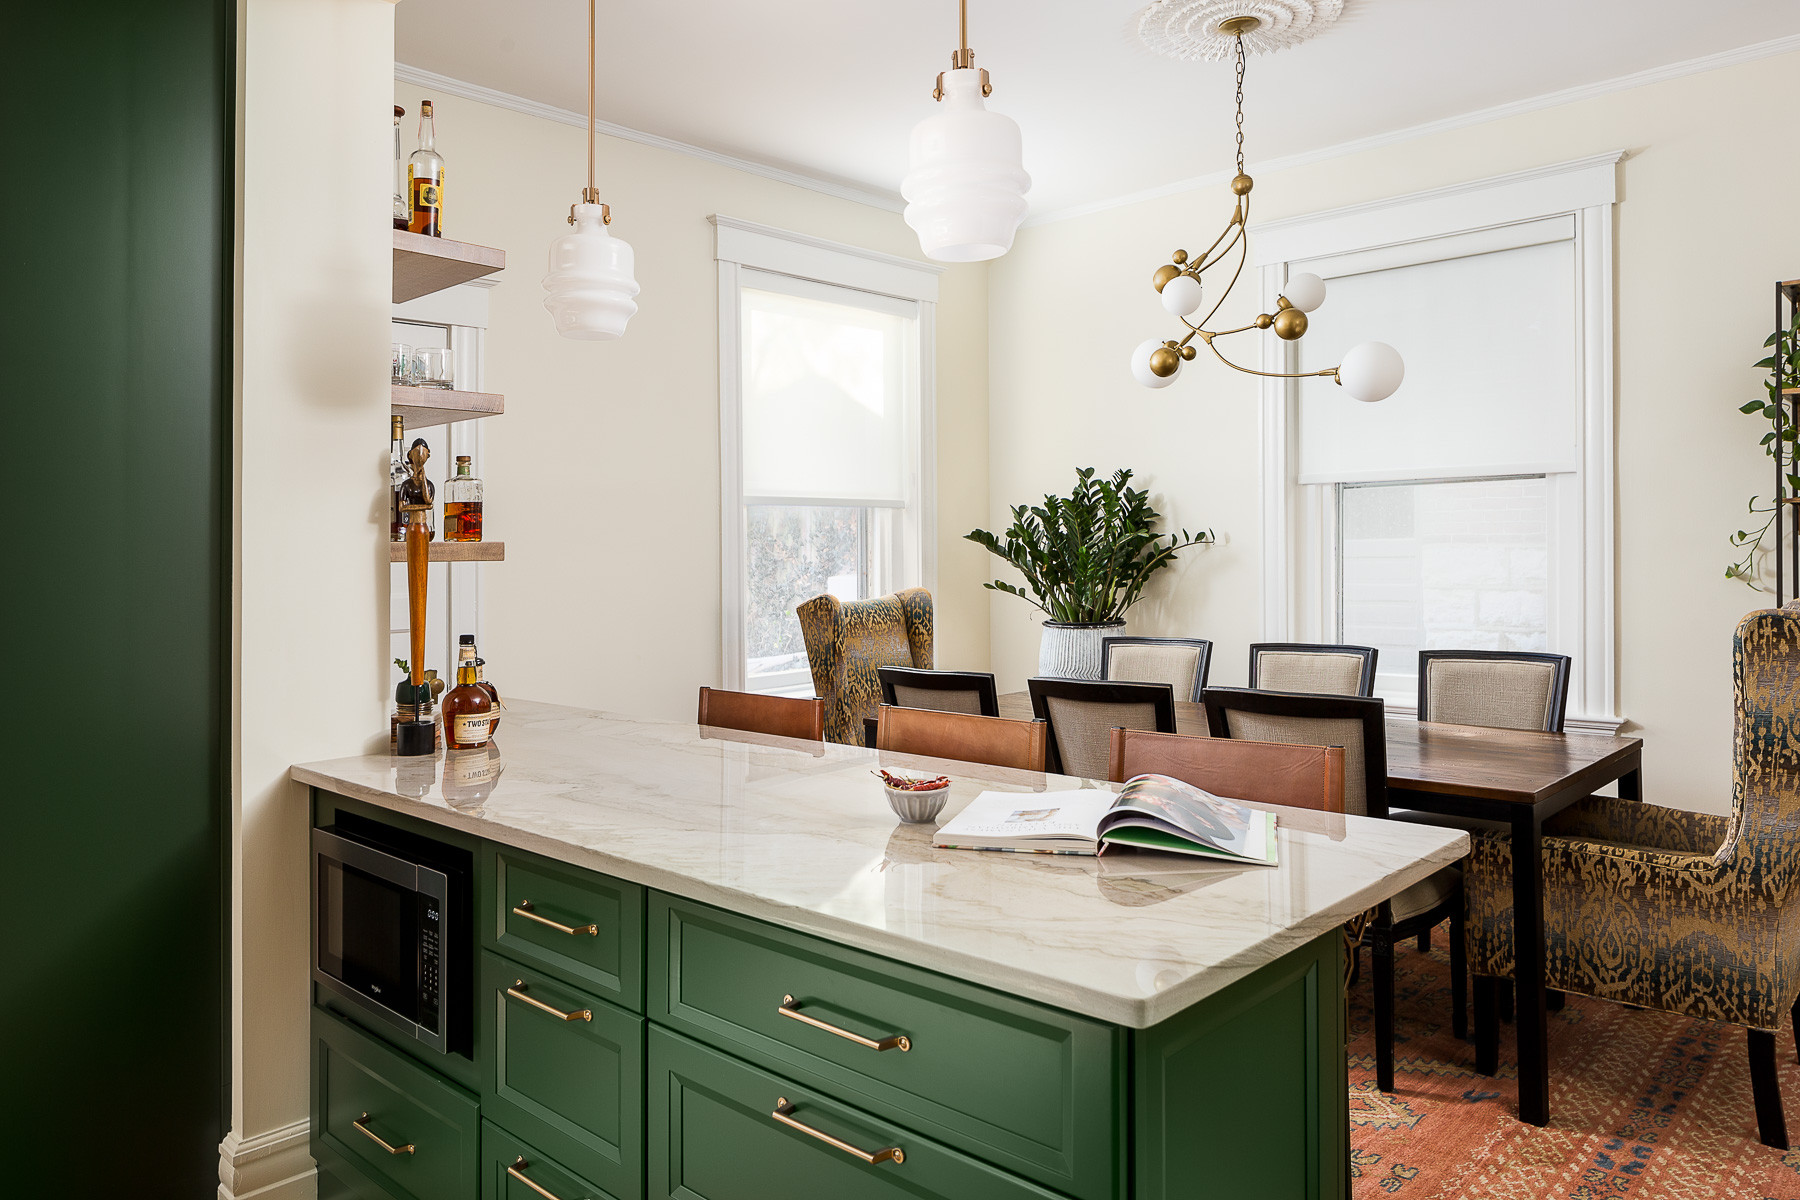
(1685, 912)
(847, 641)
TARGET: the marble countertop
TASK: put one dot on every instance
(799, 834)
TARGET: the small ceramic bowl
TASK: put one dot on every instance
(917, 806)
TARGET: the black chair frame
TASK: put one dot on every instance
(1097, 691)
(1204, 646)
(1365, 685)
(1559, 685)
(980, 682)
(1382, 933)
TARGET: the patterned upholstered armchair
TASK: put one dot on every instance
(1671, 910)
(847, 641)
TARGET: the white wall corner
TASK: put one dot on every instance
(274, 1165)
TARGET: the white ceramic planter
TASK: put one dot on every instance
(1073, 651)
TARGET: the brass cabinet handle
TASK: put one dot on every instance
(790, 1007)
(523, 909)
(517, 992)
(782, 1111)
(517, 1171)
(376, 1137)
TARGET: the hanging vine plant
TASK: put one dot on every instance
(1781, 432)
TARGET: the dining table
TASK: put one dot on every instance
(1509, 781)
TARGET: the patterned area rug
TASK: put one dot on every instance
(1642, 1104)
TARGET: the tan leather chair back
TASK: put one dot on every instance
(1266, 772)
(962, 737)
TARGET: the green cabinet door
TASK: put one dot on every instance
(513, 1169)
(586, 928)
(714, 1135)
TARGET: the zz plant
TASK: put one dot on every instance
(1086, 556)
(1781, 433)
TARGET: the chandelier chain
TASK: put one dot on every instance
(1240, 104)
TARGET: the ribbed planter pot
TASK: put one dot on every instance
(1073, 651)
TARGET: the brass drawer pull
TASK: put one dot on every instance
(782, 1111)
(523, 909)
(517, 992)
(790, 1007)
(376, 1137)
(517, 1171)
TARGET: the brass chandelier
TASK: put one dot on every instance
(1370, 371)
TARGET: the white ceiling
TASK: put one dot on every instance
(830, 88)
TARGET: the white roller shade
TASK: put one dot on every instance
(1491, 384)
(826, 389)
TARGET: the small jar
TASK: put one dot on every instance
(432, 368)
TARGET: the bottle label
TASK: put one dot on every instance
(430, 196)
(472, 727)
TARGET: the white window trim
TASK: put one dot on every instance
(744, 244)
(1583, 190)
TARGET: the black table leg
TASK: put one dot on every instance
(1528, 971)
(1631, 784)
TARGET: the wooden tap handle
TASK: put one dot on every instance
(418, 568)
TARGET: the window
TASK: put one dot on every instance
(824, 407)
(1472, 510)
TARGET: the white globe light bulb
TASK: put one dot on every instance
(1371, 371)
(1140, 366)
(966, 190)
(1182, 295)
(591, 287)
(1304, 291)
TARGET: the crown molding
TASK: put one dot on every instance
(1692, 66)
(447, 85)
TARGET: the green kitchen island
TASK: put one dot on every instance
(714, 966)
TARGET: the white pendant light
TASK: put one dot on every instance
(965, 193)
(592, 286)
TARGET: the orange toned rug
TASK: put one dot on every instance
(1642, 1104)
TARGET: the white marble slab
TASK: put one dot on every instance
(800, 835)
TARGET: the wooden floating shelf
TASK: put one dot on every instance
(423, 265)
(423, 407)
(454, 551)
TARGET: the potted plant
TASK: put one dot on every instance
(1086, 558)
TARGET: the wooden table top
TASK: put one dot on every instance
(1517, 766)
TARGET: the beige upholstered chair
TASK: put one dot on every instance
(1359, 725)
(1082, 713)
(942, 691)
(848, 640)
(1179, 662)
(1319, 670)
(1501, 689)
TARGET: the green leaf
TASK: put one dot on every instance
(1753, 406)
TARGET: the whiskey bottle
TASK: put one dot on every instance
(467, 711)
(402, 206)
(493, 693)
(396, 477)
(425, 178)
(462, 504)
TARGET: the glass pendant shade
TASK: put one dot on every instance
(1305, 291)
(1183, 296)
(965, 193)
(1140, 366)
(1371, 371)
(591, 287)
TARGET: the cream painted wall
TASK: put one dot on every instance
(603, 475)
(1703, 229)
(310, 568)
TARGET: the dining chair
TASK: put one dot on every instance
(1358, 724)
(962, 737)
(1685, 912)
(1317, 669)
(778, 716)
(945, 691)
(1082, 713)
(1501, 689)
(848, 641)
(1179, 662)
(1288, 774)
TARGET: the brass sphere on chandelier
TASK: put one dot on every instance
(1290, 324)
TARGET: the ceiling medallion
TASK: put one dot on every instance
(1209, 29)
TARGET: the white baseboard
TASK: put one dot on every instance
(273, 1165)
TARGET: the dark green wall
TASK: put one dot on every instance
(115, 219)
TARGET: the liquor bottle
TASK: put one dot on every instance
(493, 693)
(462, 504)
(396, 477)
(466, 709)
(425, 178)
(402, 206)
(416, 489)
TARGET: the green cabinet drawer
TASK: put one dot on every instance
(714, 1135)
(513, 1170)
(573, 1087)
(582, 927)
(386, 1126)
(1032, 1089)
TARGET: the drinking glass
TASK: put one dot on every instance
(402, 363)
(431, 367)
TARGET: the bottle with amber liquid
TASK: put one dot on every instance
(466, 646)
(425, 178)
(467, 710)
(462, 504)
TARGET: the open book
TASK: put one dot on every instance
(1151, 812)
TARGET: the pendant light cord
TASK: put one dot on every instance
(1240, 104)
(592, 194)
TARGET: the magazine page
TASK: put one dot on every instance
(1006, 817)
(1210, 820)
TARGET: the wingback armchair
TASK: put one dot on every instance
(848, 641)
(1685, 912)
